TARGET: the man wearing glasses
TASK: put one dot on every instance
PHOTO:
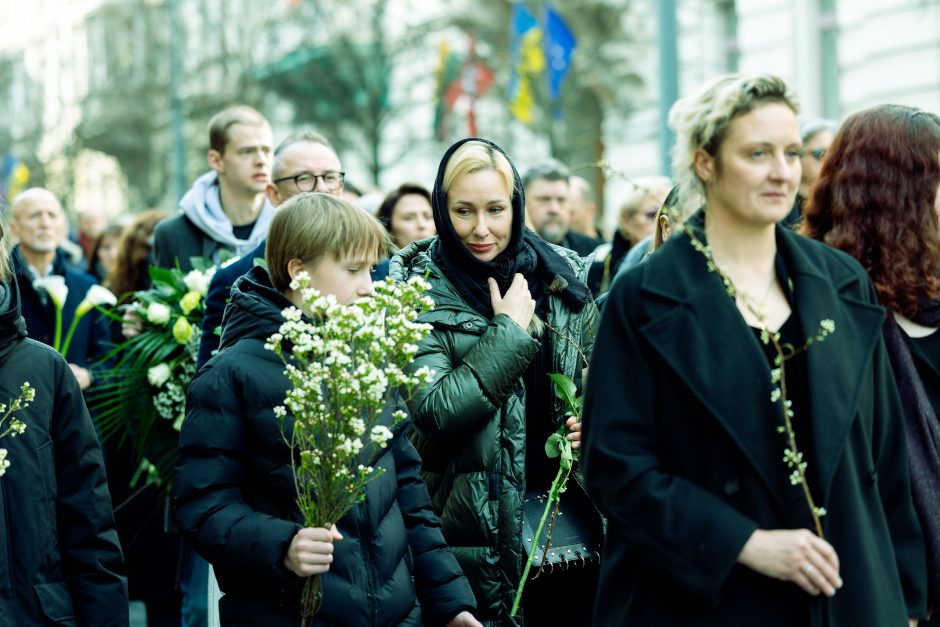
(225, 213)
(302, 163)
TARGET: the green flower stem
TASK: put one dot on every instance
(68, 336)
(792, 455)
(57, 338)
(791, 435)
(558, 485)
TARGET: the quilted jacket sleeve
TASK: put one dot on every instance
(466, 393)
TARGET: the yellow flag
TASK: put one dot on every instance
(19, 178)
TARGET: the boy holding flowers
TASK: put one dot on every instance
(385, 562)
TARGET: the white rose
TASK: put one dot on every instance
(158, 313)
(196, 281)
(158, 375)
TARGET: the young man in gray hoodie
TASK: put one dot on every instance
(225, 213)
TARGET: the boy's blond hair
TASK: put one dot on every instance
(311, 226)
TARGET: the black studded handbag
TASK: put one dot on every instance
(577, 535)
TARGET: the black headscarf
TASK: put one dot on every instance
(526, 253)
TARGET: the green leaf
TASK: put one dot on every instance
(554, 445)
(162, 275)
(566, 390)
(201, 263)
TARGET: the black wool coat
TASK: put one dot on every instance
(234, 497)
(682, 454)
(60, 561)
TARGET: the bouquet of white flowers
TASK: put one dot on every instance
(143, 398)
(344, 362)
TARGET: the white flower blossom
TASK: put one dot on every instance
(158, 375)
(197, 281)
(54, 285)
(96, 296)
(158, 313)
(380, 435)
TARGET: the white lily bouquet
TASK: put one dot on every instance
(344, 363)
(13, 426)
(143, 398)
(54, 285)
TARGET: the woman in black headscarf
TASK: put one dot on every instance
(510, 309)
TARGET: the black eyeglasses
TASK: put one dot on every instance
(307, 181)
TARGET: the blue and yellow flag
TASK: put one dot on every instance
(533, 50)
(559, 45)
(14, 177)
(528, 62)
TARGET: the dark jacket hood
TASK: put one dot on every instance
(254, 310)
(12, 325)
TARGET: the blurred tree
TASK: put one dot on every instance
(338, 77)
(124, 113)
(21, 128)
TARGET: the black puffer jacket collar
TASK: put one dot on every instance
(255, 309)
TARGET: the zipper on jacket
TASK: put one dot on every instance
(365, 543)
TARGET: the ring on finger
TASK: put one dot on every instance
(808, 569)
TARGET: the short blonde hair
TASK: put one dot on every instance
(311, 226)
(476, 156)
(702, 120)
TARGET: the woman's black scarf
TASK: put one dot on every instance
(923, 438)
(526, 253)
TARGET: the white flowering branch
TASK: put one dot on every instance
(14, 427)
(792, 456)
(344, 362)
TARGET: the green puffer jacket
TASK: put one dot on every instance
(469, 424)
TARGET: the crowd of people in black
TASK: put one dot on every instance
(755, 344)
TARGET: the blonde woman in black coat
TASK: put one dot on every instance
(684, 429)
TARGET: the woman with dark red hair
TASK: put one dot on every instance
(878, 199)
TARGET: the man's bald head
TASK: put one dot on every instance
(31, 196)
(37, 220)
